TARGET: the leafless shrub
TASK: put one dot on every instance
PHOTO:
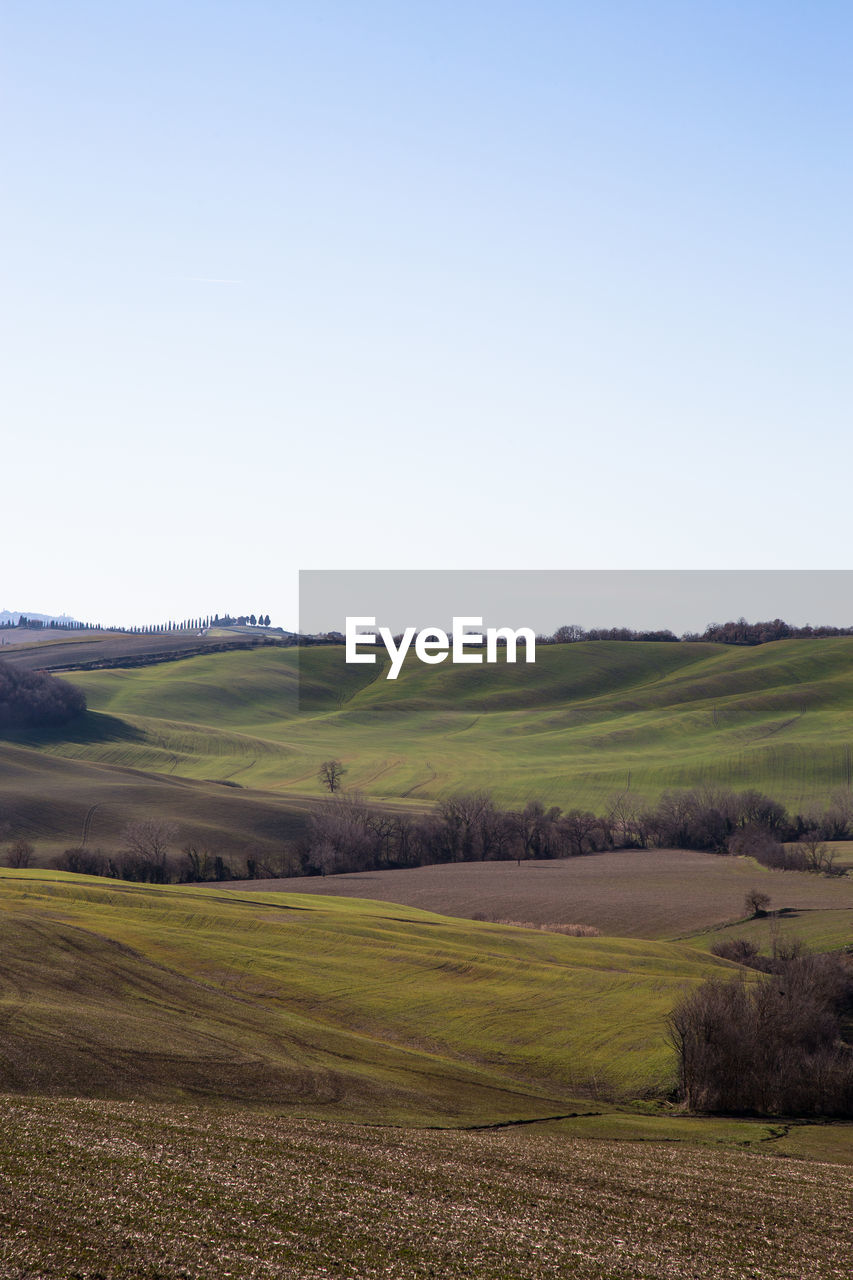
(83, 862)
(819, 857)
(741, 950)
(755, 841)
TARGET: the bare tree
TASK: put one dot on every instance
(20, 854)
(330, 774)
(773, 1046)
(623, 819)
(836, 822)
(340, 834)
(756, 902)
(198, 862)
(146, 844)
(326, 858)
(83, 862)
(149, 837)
(819, 857)
(580, 829)
(466, 822)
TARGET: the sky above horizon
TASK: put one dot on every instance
(428, 286)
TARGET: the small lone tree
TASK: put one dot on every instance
(819, 856)
(330, 774)
(756, 902)
(20, 854)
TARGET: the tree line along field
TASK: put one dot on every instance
(228, 744)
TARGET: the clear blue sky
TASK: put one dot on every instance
(359, 285)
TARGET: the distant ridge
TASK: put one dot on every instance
(10, 617)
(249, 624)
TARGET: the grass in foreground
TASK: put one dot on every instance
(332, 1006)
(110, 1191)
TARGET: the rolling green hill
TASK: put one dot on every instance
(228, 744)
(116, 990)
(585, 721)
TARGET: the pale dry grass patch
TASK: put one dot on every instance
(569, 930)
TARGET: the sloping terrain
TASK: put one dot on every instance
(639, 893)
(333, 1007)
(56, 650)
(60, 802)
(178, 1191)
(583, 724)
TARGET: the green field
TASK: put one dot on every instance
(201, 1083)
(583, 723)
(249, 1083)
(346, 1007)
(228, 744)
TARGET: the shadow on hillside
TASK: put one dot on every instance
(90, 728)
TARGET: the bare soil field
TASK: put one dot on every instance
(14, 636)
(80, 651)
(163, 1191)
(646, 893)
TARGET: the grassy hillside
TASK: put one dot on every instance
(328, 1006)
(574, 724)
(584, 723)
(58, 802)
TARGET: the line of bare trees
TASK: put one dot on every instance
(746, 823)
(738, 632)
(346, 833)
(147, 854)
